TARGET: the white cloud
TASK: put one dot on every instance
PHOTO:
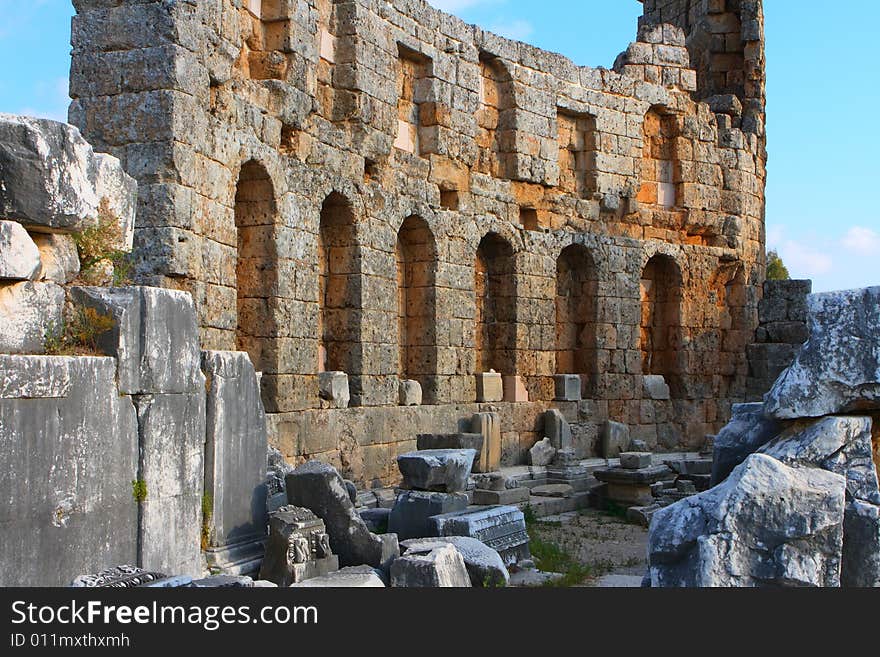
(863, 241)
(804, 260)
(518, 30)
(53, 97)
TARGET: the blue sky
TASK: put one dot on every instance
(822, 90)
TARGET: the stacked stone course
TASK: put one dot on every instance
(381, 189)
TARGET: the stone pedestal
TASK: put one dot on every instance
(515, 389)
(489, 387)
(568, 387)
(633, 487)
(489, 425)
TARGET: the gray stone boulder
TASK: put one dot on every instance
(861, 545)
(19, 256)
(838, 369)
(484, 565)
(442, 567)
(767, 525)
(29, 312)
(747, 431)
(51, 179)
(444, 470)
(411, 514)
(320, 488)
(542, 453)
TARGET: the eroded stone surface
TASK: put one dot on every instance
(19, 256)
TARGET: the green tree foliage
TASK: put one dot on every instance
(776, 270)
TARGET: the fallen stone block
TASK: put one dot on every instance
(298, 548)
(484, 565)
(333, 388)
(838, 369)
(30, 312)
(635, 460)
(352, 577)
(502, 497)
(542, 453)
(376, 519)
(568, 387)
(442, 567)
(411, 513)
(434, 441)
(442, 470)
(410, 393)
(614, 439)
(747, 431)
(553, 490)
(558, 430)
(319, 487)
(19, 256)
(502, 528)
(767, 525)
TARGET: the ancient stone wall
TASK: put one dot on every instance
(782, 329)
(382, 189)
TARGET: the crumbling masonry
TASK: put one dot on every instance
(379, 189)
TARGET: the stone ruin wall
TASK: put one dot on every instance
(305, 167)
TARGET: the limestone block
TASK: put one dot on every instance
(490, 387)
(333, 388)
(766, 525)
(504, 497)
(655, 387)
(442, 470)
(412, 510)
(353, 577)
(71, 455)
(614, 439)
(635, 460)
(155, 339)
(502, 528)
(19, 256)
(489, 425)
(171, 441)
(542, 453)
(838, 369)
(235, 450)
(514, 389)
(410, 393)
(121, 193)
(318, 487)
(51, 177)
(568, 387)
(472, 441)
(558, 430)
(442, 567)
(28, 312)
(58, 257)
(484, 565)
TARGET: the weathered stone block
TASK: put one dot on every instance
(568, 387)
(490, 387)
(318, 487)
(409, 517)
(489, 425)
(298, 548)
(747, 431)
(29, 312)
(514, 389)
(558, 430)
(507, 496)
(655, 387)
(614, 439)
(635, 460)
(235, 448)
(484, 565)
(19, 256)
(410, 393)
(334, 388)
(352, 577)
(502, 528)
(442, 567)
(59, 259)
(70, 457)
(155, 338)
(443, 470)
(542, 453)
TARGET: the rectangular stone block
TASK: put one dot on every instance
(333, 388)
(472, 441)
(502, 528)
(514, 388)
(68, 459)
(615, 439)
(568, 387)
(236, 449)
(413, 509)
(635, 460)
(490, 387)
(496, 497)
